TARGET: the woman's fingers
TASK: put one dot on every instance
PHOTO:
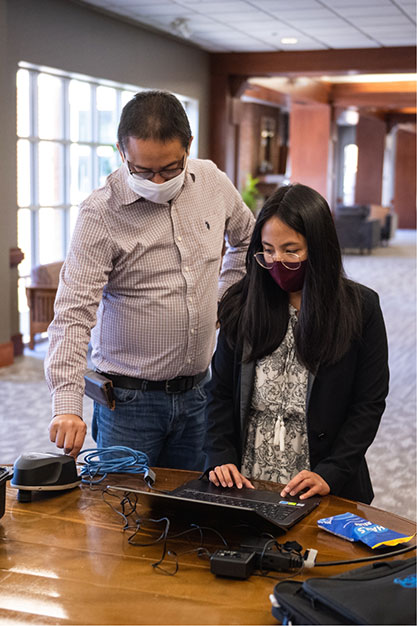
(308, 482)
(228, 476)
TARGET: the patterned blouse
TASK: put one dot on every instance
(276, 446)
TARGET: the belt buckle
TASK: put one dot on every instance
(180, 384)
(168, 386)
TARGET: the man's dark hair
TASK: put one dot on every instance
(156, 115)
(255, 310)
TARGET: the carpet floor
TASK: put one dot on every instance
(390, 270)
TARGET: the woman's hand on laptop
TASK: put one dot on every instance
(310, 483)
(228, 476)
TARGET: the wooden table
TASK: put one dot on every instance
(64, 559)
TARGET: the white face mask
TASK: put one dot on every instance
(152, 191)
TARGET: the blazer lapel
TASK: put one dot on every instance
(247, 376)
(310, 382)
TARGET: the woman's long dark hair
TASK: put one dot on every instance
(255, 310)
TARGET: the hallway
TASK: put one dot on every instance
(391, 271)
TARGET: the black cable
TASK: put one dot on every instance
(367, 558)
(131, 499)
(165, 491)
(266, 546)
(128, 505)
(200, 550)
(140, 528)
(201, 528)
(282, 578)
(164, 537)
(122, 502)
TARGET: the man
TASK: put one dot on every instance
(145, 272)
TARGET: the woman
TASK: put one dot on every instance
(300, 373)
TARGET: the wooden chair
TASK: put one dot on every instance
(41, 297)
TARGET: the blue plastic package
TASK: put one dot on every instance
(355, 528)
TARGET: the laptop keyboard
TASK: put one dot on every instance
(274, 511)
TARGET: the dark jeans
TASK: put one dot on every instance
(168, 427)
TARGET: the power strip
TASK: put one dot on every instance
(242, 563)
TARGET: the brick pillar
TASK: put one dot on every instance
(370, 139)
(309, 139)
(405, 177)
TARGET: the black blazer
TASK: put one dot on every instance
(345, 402)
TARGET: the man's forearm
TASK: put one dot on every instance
(65, 364)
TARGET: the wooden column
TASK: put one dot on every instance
(370, 139)
(225, 92)
(222, 131)
(405, 177)
(16, 257)
(219, 127)
(8, 230)
(310, 127)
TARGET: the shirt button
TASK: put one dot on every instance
(192, 331)
(179, 238)
(186, 268)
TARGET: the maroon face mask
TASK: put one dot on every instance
(288, 280)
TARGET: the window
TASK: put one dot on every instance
(66, 147)
(350, 166)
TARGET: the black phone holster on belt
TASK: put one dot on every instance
(99, 388)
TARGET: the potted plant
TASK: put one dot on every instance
(250, 193)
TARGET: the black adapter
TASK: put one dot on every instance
(262, 553)
(278, 560)
(271, 555)
(232, 563)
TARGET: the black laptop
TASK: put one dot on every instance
(200, 502)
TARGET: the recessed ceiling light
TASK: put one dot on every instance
(289, 40)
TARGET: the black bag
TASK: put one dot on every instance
(381, 593)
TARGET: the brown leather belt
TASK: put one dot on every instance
(175, 385)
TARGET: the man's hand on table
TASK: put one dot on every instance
(68, 431)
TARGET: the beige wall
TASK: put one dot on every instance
(71, 37)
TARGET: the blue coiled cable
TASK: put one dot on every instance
(129, 462)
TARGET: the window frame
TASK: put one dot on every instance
(190, 105)
(34, 168)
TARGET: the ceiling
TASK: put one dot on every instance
(260, 25)
(320, 30)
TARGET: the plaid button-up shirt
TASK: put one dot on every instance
(146, 278)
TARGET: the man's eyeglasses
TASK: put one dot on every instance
(290, 260)
(166, 173)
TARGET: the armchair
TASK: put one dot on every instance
(355, 229)
(41, 297)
